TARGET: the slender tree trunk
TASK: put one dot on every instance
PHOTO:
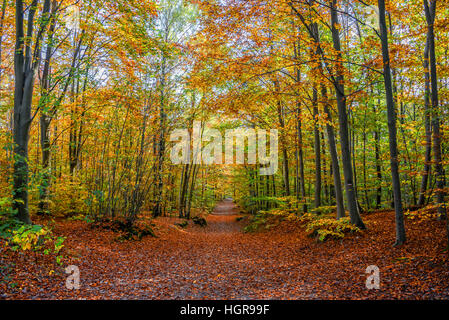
(317, 147)
(430, 10)
(324, 166)
(192, 187)
(183, 189)
(302, 183)
(45, 119)
(334, 158)
(378, 164)
(391, 113)
(344, 129)
(157, 209)
(367, 204)
(283, 141)
(301, 187)
(428, 128)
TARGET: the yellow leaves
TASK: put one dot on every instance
(326, 228)
(33, 238)
(421, 215)
(337, 26)
(27, 238)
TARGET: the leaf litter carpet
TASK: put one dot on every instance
(220, 261)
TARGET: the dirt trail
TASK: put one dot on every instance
(216, 262)
(231, 264)
(223, 218)
(227, 207)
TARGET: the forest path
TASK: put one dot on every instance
(223, 219)
(223, 262)
(218, 261)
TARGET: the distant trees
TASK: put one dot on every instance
(337, 47)
(108, 94)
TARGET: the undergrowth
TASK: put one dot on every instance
(320, 224)
(324, 227)
(19, 236)
(33, 238)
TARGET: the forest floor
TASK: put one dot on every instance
(220, 261)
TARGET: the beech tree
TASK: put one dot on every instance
(27, 59)
(361, 120)
(391, 112)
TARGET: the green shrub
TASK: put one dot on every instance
(27, 237)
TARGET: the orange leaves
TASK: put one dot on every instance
(222, 262)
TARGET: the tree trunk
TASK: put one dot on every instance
(430, 9)
(428, 128)
(45, 119)
(391, 113)
(301, 187)
(378, 164)
(302, 183)
(26, 62)
(157, 209)
(283, 141)
(317, 147)
(334, 158)
(344, 129)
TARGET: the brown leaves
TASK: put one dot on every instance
(221, 262)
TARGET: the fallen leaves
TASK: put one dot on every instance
(222, 262)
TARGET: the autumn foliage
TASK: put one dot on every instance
(91, 90)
